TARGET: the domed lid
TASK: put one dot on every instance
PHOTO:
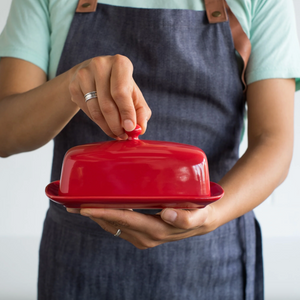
(137, 171)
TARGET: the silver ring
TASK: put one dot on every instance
(90, 96)
(118, 233)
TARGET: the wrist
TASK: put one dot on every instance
(67, 78)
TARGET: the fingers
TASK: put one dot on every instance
(108, 227)
(73, 210)
(131, 224)
(120, 217)
(147, 231)
(134, 237)
(92, 107)
(121, 89)
(120, 104)
(143, 111)
(104, 105)
(103, 67)
(131, 220)
(185, 219)
(181, 219)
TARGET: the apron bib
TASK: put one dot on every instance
(187, 71)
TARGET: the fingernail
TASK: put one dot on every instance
(123, 136)
(128, 125)
(85, 213)
(169, 215)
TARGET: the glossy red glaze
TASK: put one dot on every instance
(52, 191)
(139, 173)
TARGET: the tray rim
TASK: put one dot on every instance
(217, 192)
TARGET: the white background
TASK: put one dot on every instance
(24, 204)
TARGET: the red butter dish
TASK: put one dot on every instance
(135, 174)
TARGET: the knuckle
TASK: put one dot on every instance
(120, 93)
(99, 64)
(97, 61)
(119, 224)
(82, 73)
(149, 244)
(186, 223)
(123, 61)
(73, 88)
(127, 110)
(117, 131)
(157, 236)
(73, 100)
(145, 243)
(124, 224)
(96, 115)
(141, 247)
(108, 108)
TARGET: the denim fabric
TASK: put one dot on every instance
(187, 71)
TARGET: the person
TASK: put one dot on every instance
(182, 64)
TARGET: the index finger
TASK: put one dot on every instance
(121, 89)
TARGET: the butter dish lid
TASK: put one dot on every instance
(135, 171)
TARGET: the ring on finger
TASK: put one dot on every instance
(89, 96)
(118, 233)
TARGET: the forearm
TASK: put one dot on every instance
(31, 119)
(33, 112)
(254, 177)
(266, 162)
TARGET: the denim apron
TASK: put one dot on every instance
(187, 70)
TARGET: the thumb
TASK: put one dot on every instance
(143, 112)
(184, 218)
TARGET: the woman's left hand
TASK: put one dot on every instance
(147, 231)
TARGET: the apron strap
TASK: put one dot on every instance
(86, 6)
(216, 13)
(241, 41)
(215, 10)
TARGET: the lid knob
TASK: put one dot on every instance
(134, 134)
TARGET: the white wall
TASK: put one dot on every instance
(23, 206)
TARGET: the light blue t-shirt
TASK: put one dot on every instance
(36, 31)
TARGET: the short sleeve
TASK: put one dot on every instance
(27, 32)
(275, 47)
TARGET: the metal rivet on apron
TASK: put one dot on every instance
(216, 14)
(85, 5)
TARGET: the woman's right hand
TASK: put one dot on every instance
(120, 105)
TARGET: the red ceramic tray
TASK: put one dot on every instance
(144, 202)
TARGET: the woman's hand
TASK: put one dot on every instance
(148, 231)
(25, 91)
(120, 104)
